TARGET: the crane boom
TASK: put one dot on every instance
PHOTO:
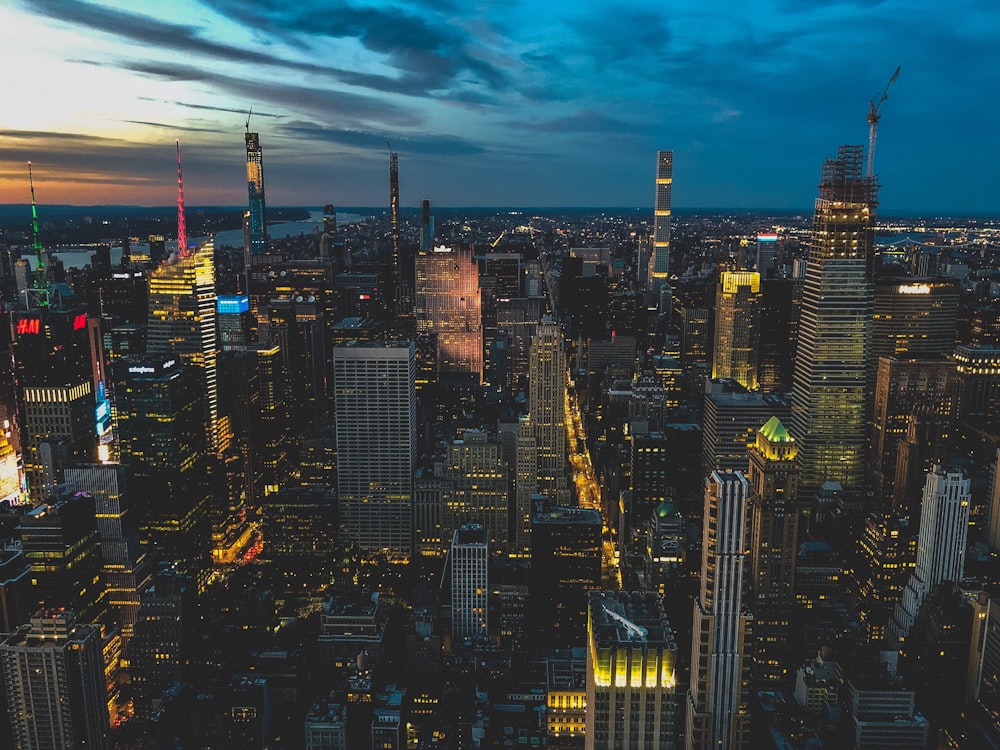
(873, 118)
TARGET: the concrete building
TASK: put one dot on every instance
(469, 561)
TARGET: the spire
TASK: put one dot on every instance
(181, 226)
(41, 282)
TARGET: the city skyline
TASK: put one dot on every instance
(560, 106)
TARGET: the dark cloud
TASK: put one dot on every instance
(169, 126)
(53, 137)
(428, 145)
(430, 53)
(586, 121)
(323, 102)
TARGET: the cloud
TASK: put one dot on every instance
(585, 121)
(174, 126)
(428, 145)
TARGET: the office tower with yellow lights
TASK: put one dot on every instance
(737, 328)
(479, 489)
(774, 509)
(718, 711)
(659, 261)
(182, 324)
(631, 679)
(448, 302)
(376, 431)
(547, 409)
(831, 365)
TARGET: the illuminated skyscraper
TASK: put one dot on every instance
(718, 712)
(375, 404)
(257, 220)
(448, 302)
(830, 384)
(631, 676)
(182, 323)
(659, 262)
(737, 327)
(774, 480)
(547, 409)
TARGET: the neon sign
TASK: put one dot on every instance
(80, 321)
(29, 325)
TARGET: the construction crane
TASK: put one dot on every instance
(873, 118)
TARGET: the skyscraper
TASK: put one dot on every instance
(659, 262)
(469, 561)
(944, 530)
(631, 677)
(182, 323)
(375, 406)
(718, 712)
(547, 409)
(830, 384)
(737, 328)
(774, 479)
(479, 488)
(54, 674)
(257, 220)
(448, 302)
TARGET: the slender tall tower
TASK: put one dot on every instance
(40, 289)
(737, 327)
(830, 383)
(181, 223)
(394, 218)
(944, 531)
(774, 483)
(718, 716)
(547, 409)
(659, 262)
(257, 226)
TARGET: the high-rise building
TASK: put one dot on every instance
(256, 218)
(375, 404)
(182, 323)
(979, 370)
(479, 489)
(54, 674)
(164, 444)
(54, 371)
(737, 328)
(944, 530)
(914, 316)
(731, 420)
(124, 567)
(887, 554)
(631, 673)
(718, 711)
(779, 322)
(566, 556)
(547, 409)
(774, 478)
(62, 546)
(993, 532)
(830, 386)
(15, 586)
(659, 262)
(983, 676)
(469, 561)
(904, 387)
(448, 302)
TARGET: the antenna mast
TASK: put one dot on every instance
(873, 118)
(41, 286)
(181, 224)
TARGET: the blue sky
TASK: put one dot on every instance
(498, 103)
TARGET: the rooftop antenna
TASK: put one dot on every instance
(181, 224)
(41, 285)
(873, 118)
(248, 117)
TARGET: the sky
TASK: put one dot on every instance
(498, 103)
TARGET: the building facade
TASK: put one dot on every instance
(737, 328)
